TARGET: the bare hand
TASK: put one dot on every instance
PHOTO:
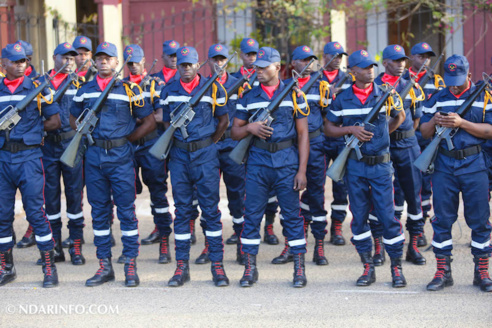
(360, 133)
(334, 91)
(300, 181)
(452, 120)
(260, 129)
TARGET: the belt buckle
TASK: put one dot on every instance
(371, 160)
(192, 147)
(273, 147)
(460, 154)
(108, 144)
(14, 148)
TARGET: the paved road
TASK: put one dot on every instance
(330, 299)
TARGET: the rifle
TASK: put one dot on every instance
(91, 72)
(337, 170)
(343, 80)
(87, 121)
(61, 92)
(238, 154)
(12, 117)
(406, 90)
(430, 72)
(314, 78)
(147, 77)
(182, 116)
(428, 156)
(240, 82)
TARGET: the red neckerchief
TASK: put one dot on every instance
(331, 75)
(246, 72)
(28, 71)
(270, 90)
(421, 74)
(189, 87)
(168, 73)
(222, 79)
(390, 79)
(83, 73)
(14, 84)
(137, 78)
(458, 96)
(362, 94)
(103, 83)
(303, 80)
(58, 79)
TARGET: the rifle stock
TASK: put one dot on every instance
(162, 146)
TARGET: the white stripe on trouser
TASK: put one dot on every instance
(297, 242)
(480, 245)
(129, 233)
(195, 202)
(445, 243)
(217, 233)
(161, 210)
(415, 216)
(339, 207)
(394, 240)
(6, 240)
(237, 220)
(373, 218)
(364, 235)
(54, 216)
(399, 208)
(246, 241)
(305, 206)
(182, 236)
(43, 238)
(272, 199)
(100, 233)
(75, 216)
(319, 218)
(426, 202)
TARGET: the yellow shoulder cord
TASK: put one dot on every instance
(390, 103)
(439, 81)
(153, 92)
(413, 95)
(353, 77)
(40, 96)
(132, 97)
(486, 100)
(76, 82)
(1, 74)
(296, 106)
(214, 96)
(241, 89)
(324, 93)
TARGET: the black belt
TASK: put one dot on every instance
(461, 153)
(399, 135)
(150, 136)
(226, 135)
(314, 134)
(273, 147)
(194, 145)
(15, 147)
(371, 160)
(57, 138)
(111, 143)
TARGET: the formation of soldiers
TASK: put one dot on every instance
(269, 139)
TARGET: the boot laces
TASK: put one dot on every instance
(47, 260)
(247, 271)
(414, 242)
(338, 227)
(299, 268)
(164, 249)
(319, 248)
(286, 248)
(205, 250)
(28, 232)
(441, 266)
(377, 246)
(483, 269)
(179, 268)
(219, 270)
(367, 267)
(155, 230)
(192, 226)
(396, 271)
(101, 268)
(269, 229)
(131, 268)
(3, 262)
(76, 247)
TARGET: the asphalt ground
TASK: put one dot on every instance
(330, 299)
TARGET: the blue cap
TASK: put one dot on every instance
(266, 56)
(65, 48)
(394, 52)
(136, 51)
(218, 50)
(249, 45)
(14, 52)
(303, 52)
(82, 42)
(27, 47)
(107, 49)
(170, 47)
(455, 70)
(422, 48)
(362, 59)
(334, 48)
(187, 55)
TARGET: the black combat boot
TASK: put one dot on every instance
(269, 236)
(379, 257)
(164, 255)
(300, 279)
(319, 253)
(234, 239)
(219, 275)
(285, 256)
(7, 269)
(250, 275)
(481, 275)
(239, 254)
(153, 238)
(121, 259)
(49, 269)
(443, 277)
(75, 252)
(421, 240)
(181, 275)
(397, 274)
(336, 234)
(104, 274)
(59, 254)
(131, 276)
(192, 231)
(413, 252)
(67, 243)
(28, 240)
(369, 275)
(203, 258)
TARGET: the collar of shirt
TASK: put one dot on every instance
(57, 80)
(189, 87)
(302, 81)
(458, 96)
(245, 72)
(168, 73)
(390, 79)
(137, 78)
(14, 84)
(362, 94)
(331, 75)
(103, 83)
(28, 71)
(270, 90)
(419, 76)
